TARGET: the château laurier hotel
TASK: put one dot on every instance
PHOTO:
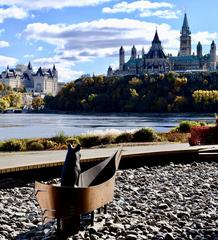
(156, 61)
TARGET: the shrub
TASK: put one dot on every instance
(48, 144)
(185, 126)
(144, 135)
(35, 146)
(72, 140)
(124, 137)
(90, 140)
(175, 137)
(13, 145)
(107, 139)
(60, 138)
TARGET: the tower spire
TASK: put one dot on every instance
(156, 37)
(185, 38)
(185, 26)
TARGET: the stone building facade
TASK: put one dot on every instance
(43, 81)
(156, 61)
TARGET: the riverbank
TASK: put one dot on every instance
(103, 139)
(170, 202)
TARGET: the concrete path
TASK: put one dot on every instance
(16, 161)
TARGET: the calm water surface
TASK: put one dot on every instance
(47, 125)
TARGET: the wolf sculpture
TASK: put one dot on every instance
(71, 169)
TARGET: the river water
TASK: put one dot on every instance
(47, 125)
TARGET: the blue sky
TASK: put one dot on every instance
(84, 36)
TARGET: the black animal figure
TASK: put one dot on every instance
(71, 169)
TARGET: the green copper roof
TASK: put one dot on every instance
(185, 58)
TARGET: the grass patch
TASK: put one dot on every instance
(60, 138)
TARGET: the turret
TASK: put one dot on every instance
(156, 50)
(110, 71)
(185, 38)
(213, 56)
(54, 71)
(133, 52)
(29, 67)
(199, 50)
(156, 43)
(143, 52)
(39, 72)
(122, 58)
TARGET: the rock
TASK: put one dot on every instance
(177, 202)
(94, 237)
(131, 237)
(116, 226)
(93, 230)
(169, 236)
(163, 206)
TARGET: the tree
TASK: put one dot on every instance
(3, 104)
(14, 99)
(2, 87)
(37, 103)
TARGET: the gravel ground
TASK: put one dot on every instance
(162, 202)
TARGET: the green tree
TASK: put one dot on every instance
(3, 104)
(37, 103)
(14, 99)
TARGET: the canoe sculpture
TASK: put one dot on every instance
(95, 189)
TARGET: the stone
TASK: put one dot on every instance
(131, 237)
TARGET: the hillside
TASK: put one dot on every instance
(171, 92)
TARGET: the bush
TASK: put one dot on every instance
(60, 138)
(185, 126)
(107, 139)
(73, 141)
(48, 144)
(13, 145)
(124, 137)
(144, 135)
(90, 140)
(36, 146)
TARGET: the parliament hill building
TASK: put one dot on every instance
(156, 61)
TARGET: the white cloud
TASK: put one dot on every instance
(4, 44)
(40, 48)
(4, 61)
(145, 9)
(167, 14)
(55, 4)
(12, 12)
(136, 6)
(19, 9)
(87, 40)
(28, 56)
(204, 37)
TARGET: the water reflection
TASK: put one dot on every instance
(47, 125)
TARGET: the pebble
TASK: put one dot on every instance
(169, 202)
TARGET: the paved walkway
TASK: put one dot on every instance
(16, 161)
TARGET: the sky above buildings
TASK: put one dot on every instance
(84, 36)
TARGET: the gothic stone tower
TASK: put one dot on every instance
(122, 58)
(199, 50)
(185, 38)
(213, 56)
